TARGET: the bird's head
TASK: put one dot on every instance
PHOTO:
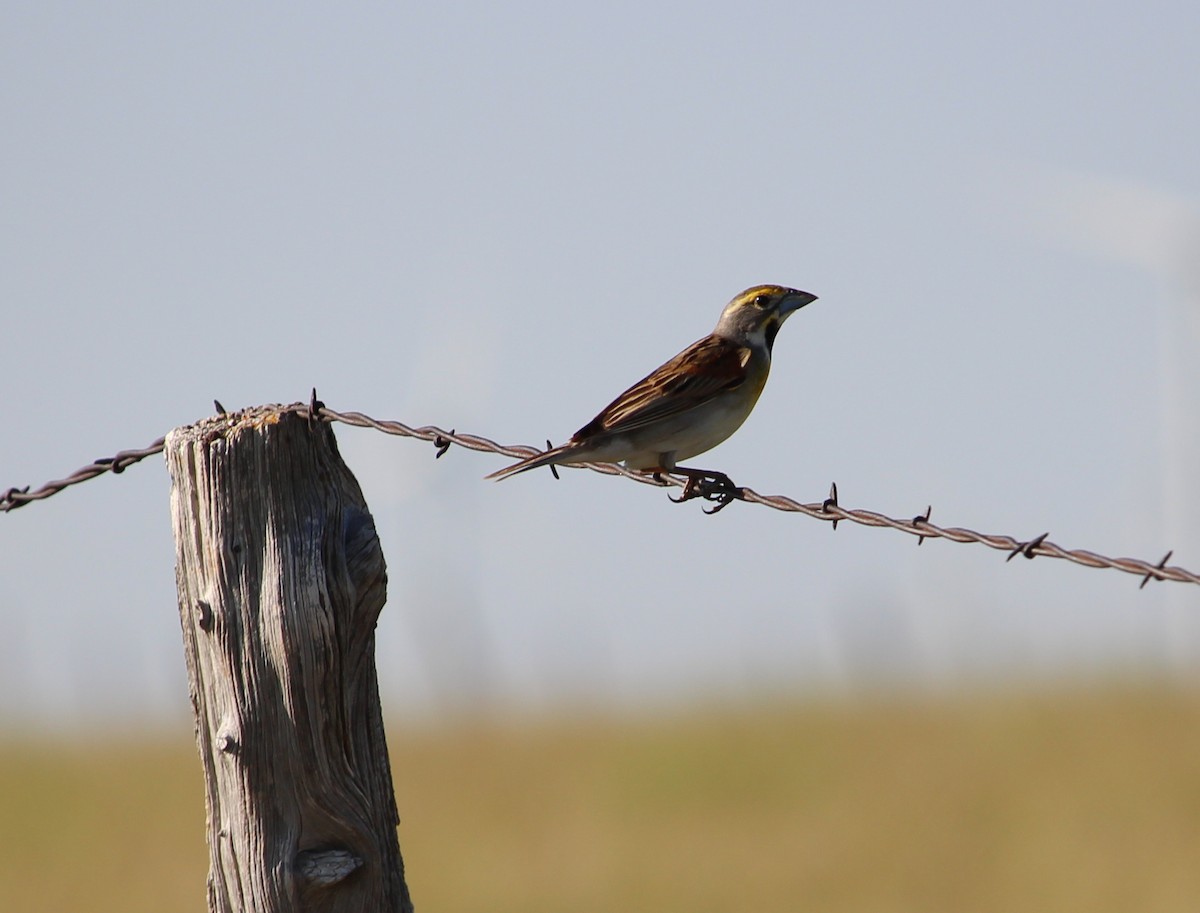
(754, 317)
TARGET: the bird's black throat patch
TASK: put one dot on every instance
(770, 331)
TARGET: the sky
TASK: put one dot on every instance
(496, 217)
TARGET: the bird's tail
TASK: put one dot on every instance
(539, 459)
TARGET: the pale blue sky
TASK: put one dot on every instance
(497, 218)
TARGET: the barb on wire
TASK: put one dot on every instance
(442, 444)
(1150, 575)
(831, 501)
(1028, 549)
(829, 510)
(922, 518)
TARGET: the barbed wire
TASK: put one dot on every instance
(713, 490)
(117, 463)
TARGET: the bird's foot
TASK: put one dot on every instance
(710, 485)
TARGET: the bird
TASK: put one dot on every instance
(689, 404)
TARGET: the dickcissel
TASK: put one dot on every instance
(690, 404)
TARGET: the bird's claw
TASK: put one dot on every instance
(711, 486)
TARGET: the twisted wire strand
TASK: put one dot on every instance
(117, 463)
(828, 510)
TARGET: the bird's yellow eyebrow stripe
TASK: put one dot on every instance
(751, 293)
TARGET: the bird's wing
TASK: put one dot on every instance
(703, 370)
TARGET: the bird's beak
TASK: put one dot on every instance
(794, 300)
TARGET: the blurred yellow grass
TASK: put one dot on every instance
(1067, 801)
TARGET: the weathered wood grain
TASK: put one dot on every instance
(281, 580)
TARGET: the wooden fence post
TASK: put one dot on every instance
(281, 579)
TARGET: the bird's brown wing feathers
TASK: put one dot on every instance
(703, 370)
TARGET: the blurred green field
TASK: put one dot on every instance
(1085, 800)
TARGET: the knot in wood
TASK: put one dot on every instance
(327, 866)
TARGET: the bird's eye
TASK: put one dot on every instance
(762, 301)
